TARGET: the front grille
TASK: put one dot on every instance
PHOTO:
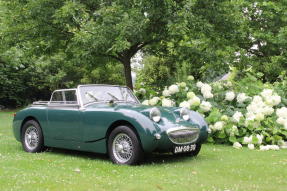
(183, 135)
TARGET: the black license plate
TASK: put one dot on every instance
(184, 148)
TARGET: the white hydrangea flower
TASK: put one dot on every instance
(263, 148)
(270, 97)
(205, 88)
(282, 112)
(167, 102)
(281, 120)
(276, 99)
(195, 101)
(190, 95)
(154, 101)
(266, 93)
(258, 109)
(237, 145)
(206, 91)
(199, 84)
(173, 89)
(166, 92)
(224, 118)
(267, 110)
(236, 116)
(283, 144)
(247, 140)
(257, 99)
(234, 128)
(260, 138)
(208, 130)
(282, 116)
(182, 85)
(250, 116)
(190, 77)
(229, 96)
(251, 146)
(218, 125)
(273, 147)
(241, 97)
(145, 102)
(205, 106)
(207, 95)
(259, 116)
(184, 104)
(142, 91)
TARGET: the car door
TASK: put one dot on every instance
(64, 116)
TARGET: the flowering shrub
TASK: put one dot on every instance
(258, 121)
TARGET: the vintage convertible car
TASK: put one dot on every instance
(108, 119)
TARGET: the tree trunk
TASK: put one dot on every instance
(128, 73)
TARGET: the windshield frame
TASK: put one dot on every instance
(105, 101)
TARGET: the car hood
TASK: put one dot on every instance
(172, 113)
(170, 116)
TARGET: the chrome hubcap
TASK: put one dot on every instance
(122, 148)
(31, 137)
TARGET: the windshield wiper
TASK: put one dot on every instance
(113, 96)
(96, 99)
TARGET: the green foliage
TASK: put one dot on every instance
(64, 42)
(247, 111)
(155, 74)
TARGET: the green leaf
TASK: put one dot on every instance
(221, 134)
(232, 139)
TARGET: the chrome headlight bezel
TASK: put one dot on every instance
(155, 114)
(185, 113)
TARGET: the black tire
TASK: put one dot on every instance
(129, 134)
(38, 138)
(193, 153)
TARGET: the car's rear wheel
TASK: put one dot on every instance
(124, 146)
(32, 137)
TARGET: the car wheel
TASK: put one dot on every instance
(32, 137)
(193, 153)
(124, 146)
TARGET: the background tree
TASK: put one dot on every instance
(86, 30)
(49, 44)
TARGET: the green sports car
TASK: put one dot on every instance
(108, 119)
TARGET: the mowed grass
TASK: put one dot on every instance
(217, 167)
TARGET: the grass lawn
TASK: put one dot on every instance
(217, 167)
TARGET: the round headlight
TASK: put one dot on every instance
(155, 114)
(184, 113)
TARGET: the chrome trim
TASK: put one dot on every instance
(183, 128)
(181, 113)
(86, 85)
(63, 90)
(79, 98)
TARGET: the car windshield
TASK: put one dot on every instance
(96, 93)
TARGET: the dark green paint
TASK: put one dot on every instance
(86, 129)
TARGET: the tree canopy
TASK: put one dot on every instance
(48, 44)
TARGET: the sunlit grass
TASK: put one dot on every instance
(217, 167)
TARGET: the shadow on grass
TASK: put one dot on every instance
(78, 154)
(149, 159)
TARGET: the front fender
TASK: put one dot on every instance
(145, 128)
(98, 121)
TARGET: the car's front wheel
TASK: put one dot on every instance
(124, 146)
(32, 137)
